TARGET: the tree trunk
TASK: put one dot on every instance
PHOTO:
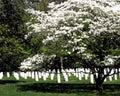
(99, 79)
(99, 85)
(61, 62)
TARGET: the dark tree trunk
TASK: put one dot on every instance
(99, 84)
(61, 62)
(99, 79)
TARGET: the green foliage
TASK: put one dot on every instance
(11, 53)
(35, 42)
(42, 5)
(104, 44)
(12, 18)
(56, 47)
(12, 31)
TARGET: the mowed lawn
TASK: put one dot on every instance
(74, 87)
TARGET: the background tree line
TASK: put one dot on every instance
(13, 49)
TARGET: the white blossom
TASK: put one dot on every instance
(72, 16)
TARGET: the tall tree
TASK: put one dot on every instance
(86, 30)
(12, 31)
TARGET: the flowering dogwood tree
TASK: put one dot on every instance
(86, 28)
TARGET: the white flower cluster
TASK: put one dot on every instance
(75, 19)
(72, 15)
(34, 62)
(28, 63)
(110, 60)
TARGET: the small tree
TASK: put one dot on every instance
(104, 51)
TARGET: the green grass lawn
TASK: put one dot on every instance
(74, 87)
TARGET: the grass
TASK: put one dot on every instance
(74, 87)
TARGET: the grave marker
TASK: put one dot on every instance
(58, 76)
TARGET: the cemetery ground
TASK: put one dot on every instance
(74, 87)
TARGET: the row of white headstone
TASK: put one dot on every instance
(79, 73)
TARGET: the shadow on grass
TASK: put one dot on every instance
(69, 88)
(9, 81)
(56, 88)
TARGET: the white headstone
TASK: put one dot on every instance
(110, 78)
(33, 74)
(1, 75)
(86, 76)
(22, 74)
(80, 76)
(66, 78)
(87, 71)
(112, 71)
(36, 76)
(65, 75)
(52, 75)
(47, 74)
(91, 78)
(8, 74)
(25, 75)
(116, 70)
(119, 71)
(97, 75)
(82, 72)
(115, 76)
(58, 76)
(29, 74)
(44, 76)
(40, 74)
(16, 75)
(105, 71)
